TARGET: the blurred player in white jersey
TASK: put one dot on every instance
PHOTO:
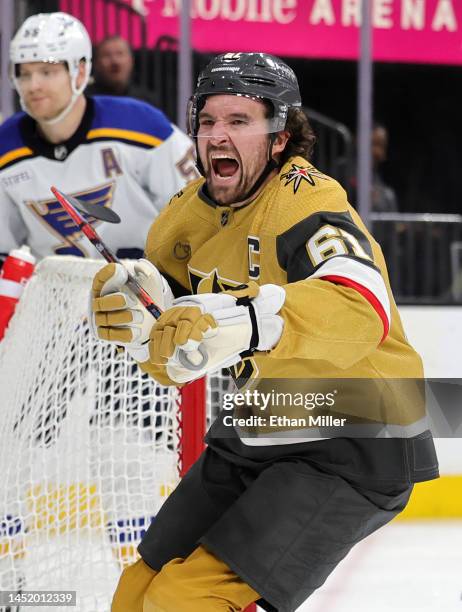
(116, 152)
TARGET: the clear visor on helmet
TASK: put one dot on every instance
(232, 118)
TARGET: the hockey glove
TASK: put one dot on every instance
(225, 324)
(116, 315)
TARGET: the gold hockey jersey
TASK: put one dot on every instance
(340, 318)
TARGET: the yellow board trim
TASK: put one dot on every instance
(63, 508)
(12, 155)
(125, 134)
(435, 499)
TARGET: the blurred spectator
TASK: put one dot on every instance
(383, 197)
(113, 65)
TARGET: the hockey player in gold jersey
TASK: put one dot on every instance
(264, 266)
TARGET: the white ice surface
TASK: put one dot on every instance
(404, 567)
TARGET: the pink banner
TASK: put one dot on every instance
(415, 31)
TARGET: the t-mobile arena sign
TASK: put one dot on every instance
(415, 31)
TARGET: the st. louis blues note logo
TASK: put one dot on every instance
(55, 218)
(302, 173)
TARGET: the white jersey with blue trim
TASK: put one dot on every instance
(125, 155)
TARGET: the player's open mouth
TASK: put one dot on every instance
(224, 166)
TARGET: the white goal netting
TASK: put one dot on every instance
(88, 444)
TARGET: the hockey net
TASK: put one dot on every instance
(89, 446)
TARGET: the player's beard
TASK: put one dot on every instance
(248, 172)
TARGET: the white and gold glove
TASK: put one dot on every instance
(224, 324)
(117, 315)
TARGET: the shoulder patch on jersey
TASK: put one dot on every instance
(184, 193)
(293, 198)
(12, 146)
(301, 174)
(177, 196)
(130, 121)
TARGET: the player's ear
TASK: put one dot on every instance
(81, 74)
(280, 141)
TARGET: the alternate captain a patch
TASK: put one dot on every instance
(300, 174)
(57, 221)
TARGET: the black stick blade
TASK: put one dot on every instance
(95, 210)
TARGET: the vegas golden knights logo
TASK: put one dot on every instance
(299, 175)
(212, 282)
(201, 282)
(243, 371)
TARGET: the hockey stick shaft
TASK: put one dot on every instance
(108, 255)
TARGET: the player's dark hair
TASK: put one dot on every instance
(302, 138)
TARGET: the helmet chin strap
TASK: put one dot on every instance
(271, 164)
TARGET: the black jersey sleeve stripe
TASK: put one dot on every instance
(303, 248)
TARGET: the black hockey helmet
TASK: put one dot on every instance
(255, 75)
